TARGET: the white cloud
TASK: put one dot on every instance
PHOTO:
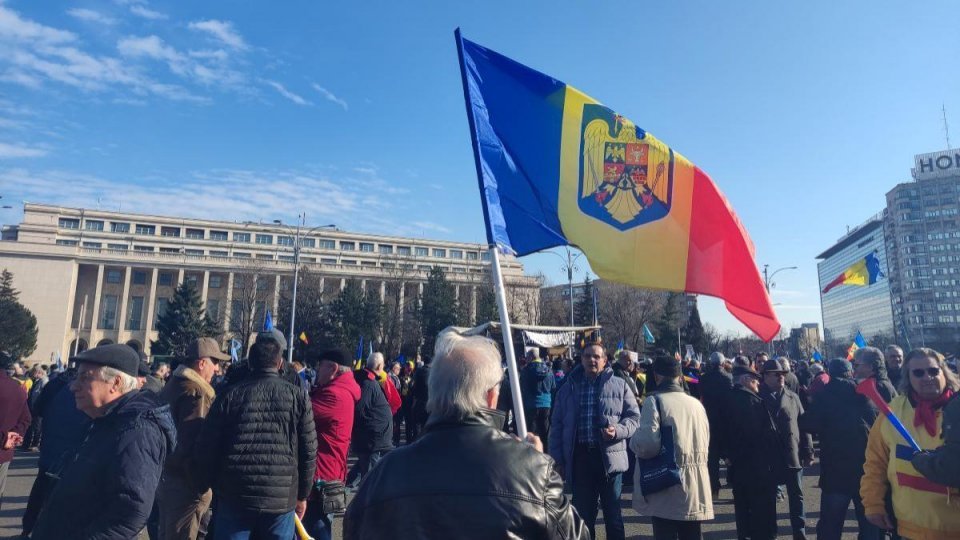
(222, 31)
(190, 66)
(146, 13)
(288, 94)
(430, 226)
(16, 29)
(329, 96)
(12, 151)
(150, 47)
(90, 15)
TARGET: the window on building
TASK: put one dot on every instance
(67, 242)
(162, 305)
(165, 279)
(456, 254)
(308, 242)
(241, 255)
(69, 223)
(114, 276)
(421, 252)
(118, 247)
(93, 225)
(284, 240)
(264, 256)
(191, 279)
(262, 283)
(241, 237)
(287, 258)
(169, 250)
(366, 247)
(485, 256)
(119, 227)
(92, 245)
(145, 229)
(403, 250)
(196, 234)
(170, 231)
(264, 238)
(215, 282)
(386, 249)
(236, 315)
(108, 312)
(348, 262)
(442, 253)
(193, 252)
(328, 261)
(367, 263)
(143, 248)
(328, 244)
(139, 277)
(135, 313)
(347, 246)
(213, 309)
(472, 256)
(308, 259)
(259, 310)
(220, 236)
(217, 253)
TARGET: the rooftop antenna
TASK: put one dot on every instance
(946, 127)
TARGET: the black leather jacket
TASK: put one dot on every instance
(463, 479)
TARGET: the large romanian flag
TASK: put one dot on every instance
(558, 168)
(864, 272)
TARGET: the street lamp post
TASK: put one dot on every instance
(301, 222)
(570, 266)
(769, 284)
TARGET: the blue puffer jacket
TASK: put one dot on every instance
(537, 385)
(107, 490)
(617, 404)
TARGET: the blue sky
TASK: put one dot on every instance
(804, 114)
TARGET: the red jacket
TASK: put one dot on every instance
(333, 408)
(14, 413)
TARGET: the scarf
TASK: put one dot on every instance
(926, 412)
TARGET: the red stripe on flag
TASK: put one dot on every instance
(920, 483)
(839, 281)
(720, 260)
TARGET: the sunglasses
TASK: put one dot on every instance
(931, 371)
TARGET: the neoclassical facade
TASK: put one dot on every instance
(93, 277)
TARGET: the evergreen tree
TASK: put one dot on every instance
(665, 328)
(312, 316)
(487, 309)
(695, 334)
(183, 322)
(583, 307)
(354, 313)
(7, 292)
(18, 331)
(437, 308)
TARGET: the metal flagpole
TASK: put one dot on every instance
(508, 343)
(296, 278)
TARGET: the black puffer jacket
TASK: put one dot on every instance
(843, 419)
(107, 488)
(463, 479)
(372, 421)
(258, 446)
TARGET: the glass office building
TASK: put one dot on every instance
(847, 309)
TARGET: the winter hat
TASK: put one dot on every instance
(839, 367)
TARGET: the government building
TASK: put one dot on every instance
(95, 277)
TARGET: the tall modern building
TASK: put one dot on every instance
(847, 309)
(93, 277)
(923, 238)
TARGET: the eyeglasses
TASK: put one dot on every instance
(931, 371)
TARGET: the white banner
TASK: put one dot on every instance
(552, 339)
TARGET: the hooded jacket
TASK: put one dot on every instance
(463, 478)
(373, 420)
(537, 385)
(617, 404)
(333, 409)
(107, 488)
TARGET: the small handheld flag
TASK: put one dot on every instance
(619, 347)
(817, 357)
(862, 273)
(303, 338)
(268, 322)
(234, 350)
(359, 354)
(858, 343)
(647, 334)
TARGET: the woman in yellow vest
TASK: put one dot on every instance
(924, 510)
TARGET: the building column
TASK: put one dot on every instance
(151, 308)
(363, 285)
(228, 309)
(383, 291)
(179, 276)
(68, 323)
(276, 295)
(343, 283)
(122, 314)
(204, 288)
(95, 319)
(400, 306)
(473, 305)
(456, 291)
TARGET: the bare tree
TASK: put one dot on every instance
(623, 310)
(398, 271)
(251, 295)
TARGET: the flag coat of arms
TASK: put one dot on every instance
(556, 168)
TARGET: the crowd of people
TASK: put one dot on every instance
(197, 450)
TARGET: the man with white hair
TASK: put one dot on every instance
(108, 488)
(372, 422)
(464, 477)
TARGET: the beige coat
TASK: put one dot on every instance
(691, 500)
